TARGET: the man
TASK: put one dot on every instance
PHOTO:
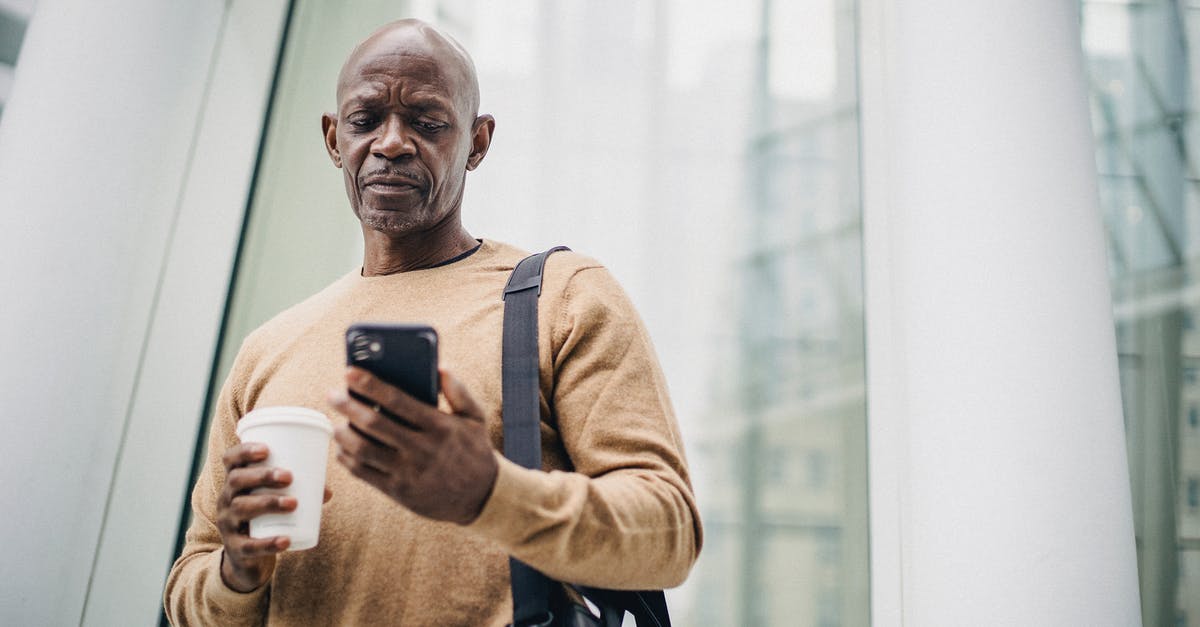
(422, 517)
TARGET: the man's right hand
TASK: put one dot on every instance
(249, 562)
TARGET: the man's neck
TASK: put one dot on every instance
(389, 254)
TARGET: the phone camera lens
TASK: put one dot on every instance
(365, 347)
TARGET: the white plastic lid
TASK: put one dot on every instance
(301, 416)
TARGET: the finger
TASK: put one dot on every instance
(227, 523)
(241, 480)
(366, 421)
(245, 508)
(363, 471)
(459, 398)
(233, 517)
(364, 449)
(421, 416)
(244, 454)
(246, 547)
(372, 426)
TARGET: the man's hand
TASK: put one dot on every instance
(436, 464)
(249, 562)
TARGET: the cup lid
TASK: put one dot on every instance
(301, 416)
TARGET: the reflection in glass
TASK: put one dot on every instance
(784, 445)
(1141, 62)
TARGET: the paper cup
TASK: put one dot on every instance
(297, 439)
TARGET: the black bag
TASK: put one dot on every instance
(537, 600)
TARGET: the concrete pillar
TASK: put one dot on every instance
(122, 188)
(999, 483)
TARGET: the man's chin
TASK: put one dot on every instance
(393, 221)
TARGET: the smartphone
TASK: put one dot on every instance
(404, 355)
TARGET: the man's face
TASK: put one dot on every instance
(404, 134)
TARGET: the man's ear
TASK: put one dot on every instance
(481, 139)
(329, 130)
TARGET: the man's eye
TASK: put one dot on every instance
(429, 127)
(362, 121)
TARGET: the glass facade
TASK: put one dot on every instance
(707, 152)
(1142, 65)
(783, 444)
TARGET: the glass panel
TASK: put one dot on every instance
(782, 446)
(1142, 64)
(707, 152)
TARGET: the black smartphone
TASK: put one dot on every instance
(404, 355)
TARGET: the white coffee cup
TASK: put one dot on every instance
(297, 439)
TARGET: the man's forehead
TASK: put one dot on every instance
(378, 87)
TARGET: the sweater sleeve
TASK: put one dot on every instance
(626, 517)
(195, 593)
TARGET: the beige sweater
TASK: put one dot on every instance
(613, 506)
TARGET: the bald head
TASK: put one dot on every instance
(415, 38)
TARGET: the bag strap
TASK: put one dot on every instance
(649, 607)
(521, 414)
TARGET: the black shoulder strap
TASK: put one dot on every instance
(521, 413)
(519, 359)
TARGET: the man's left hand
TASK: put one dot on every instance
(439, 465)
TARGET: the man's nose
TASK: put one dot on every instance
(394, 140)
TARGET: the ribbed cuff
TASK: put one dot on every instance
(508, 507)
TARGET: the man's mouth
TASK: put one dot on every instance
(392, 186)
(391, 183)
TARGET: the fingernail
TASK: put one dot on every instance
(258, 449)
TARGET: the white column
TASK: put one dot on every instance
(119, 215)
(999, 485)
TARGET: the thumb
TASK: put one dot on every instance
(461, 401)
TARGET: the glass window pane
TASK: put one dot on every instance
(1142, 64)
